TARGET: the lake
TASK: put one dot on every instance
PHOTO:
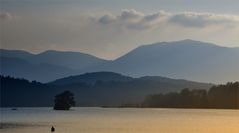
(119, 120)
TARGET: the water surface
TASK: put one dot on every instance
(119, 120)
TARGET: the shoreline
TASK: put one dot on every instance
(118, 107)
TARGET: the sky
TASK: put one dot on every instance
(110, 28)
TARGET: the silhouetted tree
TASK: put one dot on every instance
(64, 101)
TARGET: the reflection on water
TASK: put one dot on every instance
(117, 120)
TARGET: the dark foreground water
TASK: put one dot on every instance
(119, 120)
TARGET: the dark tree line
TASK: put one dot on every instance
(224, 96)
(23, 93)
(220, 96)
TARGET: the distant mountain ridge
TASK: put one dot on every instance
(15, 53)
(186, 59)
(73, 60)
(21, 68)
(45, 66)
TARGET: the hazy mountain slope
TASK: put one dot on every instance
(23, 69)
(185, 59)
(73, 60)
(15, 54)
(46, 66)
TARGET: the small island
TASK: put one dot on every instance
(64, 101)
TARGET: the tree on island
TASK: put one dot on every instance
(64, 101)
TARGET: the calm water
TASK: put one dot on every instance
(107, 120)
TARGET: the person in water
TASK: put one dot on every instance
(52, 129)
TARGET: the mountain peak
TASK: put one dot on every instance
(186, 42)
(185, 59)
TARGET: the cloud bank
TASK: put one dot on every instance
(133, 19)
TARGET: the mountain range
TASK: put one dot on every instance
(90, 89)
(46, 66)
(186, 59)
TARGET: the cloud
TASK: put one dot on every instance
(130, 15)
(106, 19)
(5, 16)
(200, 20)
(132, 19)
